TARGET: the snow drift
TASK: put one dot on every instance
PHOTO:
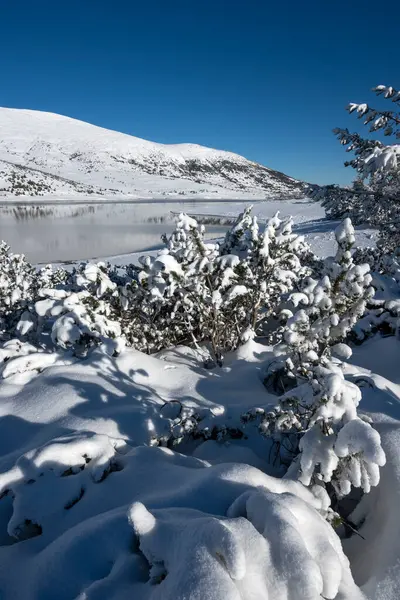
(85, 513)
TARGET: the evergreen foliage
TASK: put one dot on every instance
(374, 197)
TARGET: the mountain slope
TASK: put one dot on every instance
(44, 153)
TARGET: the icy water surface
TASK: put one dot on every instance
(54, 233)
(69, 232)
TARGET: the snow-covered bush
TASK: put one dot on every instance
(83, 309)
(383, 313)
(68, 310)
(317, 415)
(195, 292)
(17, 287)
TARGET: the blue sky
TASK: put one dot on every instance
(268, 80)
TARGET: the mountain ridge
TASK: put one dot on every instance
(44, 153)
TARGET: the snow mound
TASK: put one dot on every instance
(195, 531)
(41, 482)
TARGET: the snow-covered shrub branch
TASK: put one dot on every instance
(374, 196)
(317, 416)
(17, 287)
(383, 314)
(388, 120)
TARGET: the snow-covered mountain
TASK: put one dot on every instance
(47, 154)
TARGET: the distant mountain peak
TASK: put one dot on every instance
(47, 154)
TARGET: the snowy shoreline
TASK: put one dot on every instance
(79, 201)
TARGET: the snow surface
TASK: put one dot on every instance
(119, 518)
(54, 156)
(90, 510)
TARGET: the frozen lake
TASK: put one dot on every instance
(68, 232)
(53, 233)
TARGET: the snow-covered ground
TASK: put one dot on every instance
(90, 509)
(119, 518)
(78, 466)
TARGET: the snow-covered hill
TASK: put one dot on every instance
(48, 154)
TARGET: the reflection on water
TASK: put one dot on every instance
(24, 213)
(65, 232)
